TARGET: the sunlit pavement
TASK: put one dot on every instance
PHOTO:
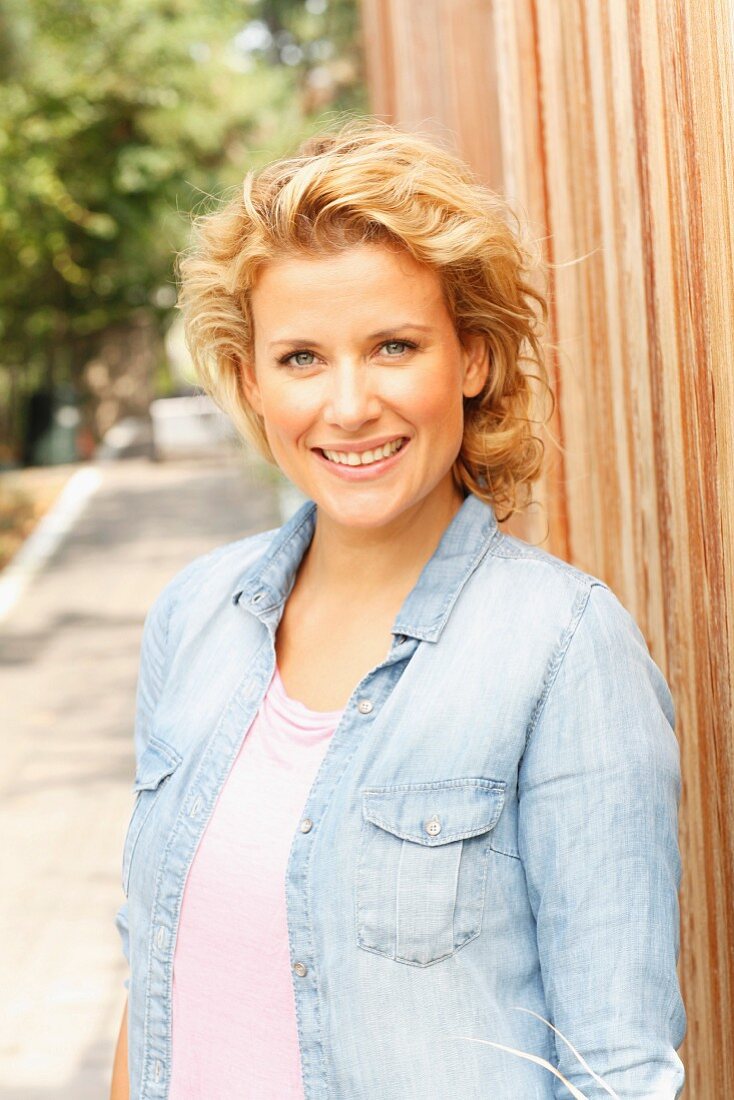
(68, 666)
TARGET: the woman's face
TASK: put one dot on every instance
(353, 352)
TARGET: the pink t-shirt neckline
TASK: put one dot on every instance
(294, 708)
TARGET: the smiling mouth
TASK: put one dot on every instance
(364, 458)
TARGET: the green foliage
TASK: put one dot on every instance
(116, 118)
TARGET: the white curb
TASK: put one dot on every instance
(47, 536)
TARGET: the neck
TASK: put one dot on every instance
(375, 562)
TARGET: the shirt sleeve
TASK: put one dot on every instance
(149, 682)
(599, 791)
(123, 929)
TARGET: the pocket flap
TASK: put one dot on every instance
(436, 813)
(157, 761)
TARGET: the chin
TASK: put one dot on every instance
(364, 513)
(362, 519)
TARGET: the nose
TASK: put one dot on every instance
(352, 399)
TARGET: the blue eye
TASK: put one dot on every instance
(399, 344)
(286, 360)
(296, 354)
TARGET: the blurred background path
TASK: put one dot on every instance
(69, 654)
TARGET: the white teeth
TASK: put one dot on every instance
(364, 458)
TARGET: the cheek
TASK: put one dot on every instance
(437, 401)
(286, 414)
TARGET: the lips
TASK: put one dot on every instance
(366, 456)
(356, 471)
(347, 446)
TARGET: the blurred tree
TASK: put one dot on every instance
(117, 118)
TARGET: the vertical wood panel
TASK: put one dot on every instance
(611, 126)
(520, 154)
(411, 58)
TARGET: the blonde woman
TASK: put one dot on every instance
(404, 782)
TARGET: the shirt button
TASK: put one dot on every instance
(301, 969)
(306, 825)
(364, 706)
(433, 827)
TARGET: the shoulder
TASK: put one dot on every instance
(532, 574)
(603, 702)
(543, 596)
(209, 578)
(538, 566)
(593, 634)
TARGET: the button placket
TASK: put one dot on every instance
(300, 925)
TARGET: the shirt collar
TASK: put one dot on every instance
(265, 585)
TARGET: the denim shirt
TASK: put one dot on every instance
(494, 827)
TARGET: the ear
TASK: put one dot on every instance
(250, 385)
(476, 363)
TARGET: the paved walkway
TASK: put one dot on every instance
(68, 667)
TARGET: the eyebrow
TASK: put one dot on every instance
(373, 336)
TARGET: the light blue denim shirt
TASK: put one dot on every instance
(494, 827)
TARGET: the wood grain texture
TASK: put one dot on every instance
(611, 128)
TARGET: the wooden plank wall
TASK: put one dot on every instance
(611, 127)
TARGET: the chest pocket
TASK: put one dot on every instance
(157, 762)
(422, 866)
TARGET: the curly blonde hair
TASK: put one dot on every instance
(365, 182)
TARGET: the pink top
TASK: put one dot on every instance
(234, 1020)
